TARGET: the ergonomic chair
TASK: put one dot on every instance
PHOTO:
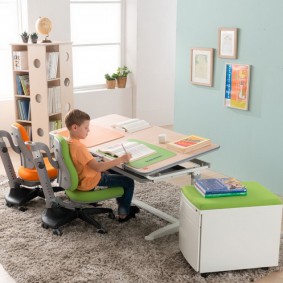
(26, 185)
(80, 204)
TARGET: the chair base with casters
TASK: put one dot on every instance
(60, 212)
(21, 196)
(56, 217)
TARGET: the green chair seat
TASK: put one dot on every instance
(83, 196)
(257, 195)
(96, 195)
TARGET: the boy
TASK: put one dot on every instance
(90, 171)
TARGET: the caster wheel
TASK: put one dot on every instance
(23, 209)
(57, 232)
(204, 275)
(101, 231)
(9, 204)
(111, 216)
(43, 225)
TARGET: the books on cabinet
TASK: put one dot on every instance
(188, 144)
(220, 187)
(137, 150)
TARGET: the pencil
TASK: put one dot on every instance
(124, 148)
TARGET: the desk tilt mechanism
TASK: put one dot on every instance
(197, 166)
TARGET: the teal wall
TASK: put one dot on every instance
(251, 141)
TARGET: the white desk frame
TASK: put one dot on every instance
(162, 170)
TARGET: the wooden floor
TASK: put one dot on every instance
(276, 277)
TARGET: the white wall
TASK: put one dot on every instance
(105, 101)
(57, 11)
(150, 53)
(7, 114)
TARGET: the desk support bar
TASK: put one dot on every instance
(167, 230)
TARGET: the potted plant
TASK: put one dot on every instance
(25, 37)
(34, 37)
(121, 76)
(110, 81)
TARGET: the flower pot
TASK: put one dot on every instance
(110, 84)
(34, 40)
(121, 82)
(25, 39)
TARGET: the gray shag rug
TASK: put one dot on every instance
(32, 254)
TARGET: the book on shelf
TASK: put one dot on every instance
(25, 84)
(24, 109)
(138, 150)
(188, 144)
(54, 100)
(218, 187)
(55, 125)
(20, 90)
(52, 64)
(20, 60)
(132, 125)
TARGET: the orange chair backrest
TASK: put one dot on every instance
(23, 131)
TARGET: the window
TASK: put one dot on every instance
(96, 32)
(9, 33)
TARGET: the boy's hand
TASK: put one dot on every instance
(126, 158)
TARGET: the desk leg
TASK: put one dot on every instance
(167, 230)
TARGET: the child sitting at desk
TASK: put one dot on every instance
(90, 171)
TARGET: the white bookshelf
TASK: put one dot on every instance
(49, 66)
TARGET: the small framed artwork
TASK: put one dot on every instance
(237, 86)
(227, 43)
(202, 66)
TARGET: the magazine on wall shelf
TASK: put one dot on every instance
(188, 144)
(132, 125)
(217, 187)
(138, 150)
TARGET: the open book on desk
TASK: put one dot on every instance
(132, 125)
(137, 150)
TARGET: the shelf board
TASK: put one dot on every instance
(22, 96)
(23, 121)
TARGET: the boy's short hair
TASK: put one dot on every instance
(75, 117)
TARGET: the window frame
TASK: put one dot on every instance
(6, 47)
(85, 88)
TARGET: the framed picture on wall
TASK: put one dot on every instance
(227, 43)
(202, 66)
(237, 86)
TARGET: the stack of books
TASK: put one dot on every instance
(220, 187)
(188, 144)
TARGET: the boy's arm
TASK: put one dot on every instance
(103, 166)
